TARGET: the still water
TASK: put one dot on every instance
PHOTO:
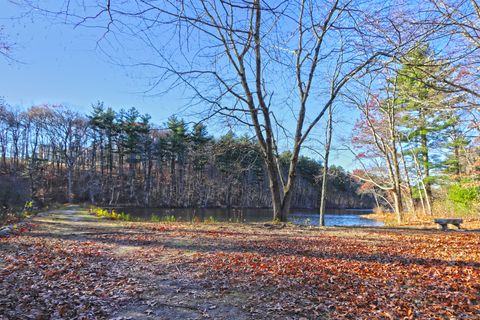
(335, 217)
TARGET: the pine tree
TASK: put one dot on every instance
(423, 119)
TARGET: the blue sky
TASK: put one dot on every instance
(60, 64)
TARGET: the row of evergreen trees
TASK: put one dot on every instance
(52, 153)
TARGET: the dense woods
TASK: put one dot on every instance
(52, 153)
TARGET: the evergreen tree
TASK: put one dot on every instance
(423, 119)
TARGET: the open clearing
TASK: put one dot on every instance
(69, 264)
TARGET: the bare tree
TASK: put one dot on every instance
(376, 137)
(5, 45)
(256, 62)
(456, 26)
(326, 158)
(67, 130)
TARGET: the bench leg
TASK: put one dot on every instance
(444, 227)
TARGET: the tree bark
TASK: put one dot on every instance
(323, 190)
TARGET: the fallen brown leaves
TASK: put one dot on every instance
(288, 273)
(337, 273)
(45, 278)
(385, 275)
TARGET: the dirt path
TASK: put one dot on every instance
(68, 264)
(161, 286)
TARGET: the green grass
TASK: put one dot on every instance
(210, 220)
(155, 218)
(114, 215)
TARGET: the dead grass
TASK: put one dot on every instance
(421, 220)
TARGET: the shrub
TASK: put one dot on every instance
(463, 196)
(210, 219)
(155, 218)
(28, 206)
(99, 212)
(169, 218)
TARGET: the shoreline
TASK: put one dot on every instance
(390, 220)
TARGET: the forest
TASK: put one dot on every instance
(417, 150)
(50, 153)
(264, 100)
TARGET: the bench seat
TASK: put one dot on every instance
(444, 222)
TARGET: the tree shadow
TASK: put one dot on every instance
(210, 245)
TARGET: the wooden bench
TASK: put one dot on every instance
(444, 222)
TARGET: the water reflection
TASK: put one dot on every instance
(335, 217)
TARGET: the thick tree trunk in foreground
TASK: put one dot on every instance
(243, 50)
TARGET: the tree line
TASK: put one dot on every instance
(259, 64)
(53, 153)
(255, 63)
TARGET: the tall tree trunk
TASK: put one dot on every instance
(420, 183)
(426, 166)
(69, 181)
(274, 185)
(397, 186)
(407, 177)
(397, 205)
(323, 190)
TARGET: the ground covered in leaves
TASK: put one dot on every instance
(68, 264)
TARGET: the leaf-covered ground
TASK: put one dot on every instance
(70, 265)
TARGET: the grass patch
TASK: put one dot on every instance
(114, 215)
(440, 209)
(168, 218)
(210, 219)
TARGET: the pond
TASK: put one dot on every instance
(333, 217)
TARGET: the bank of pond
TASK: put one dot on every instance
(333, 217)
